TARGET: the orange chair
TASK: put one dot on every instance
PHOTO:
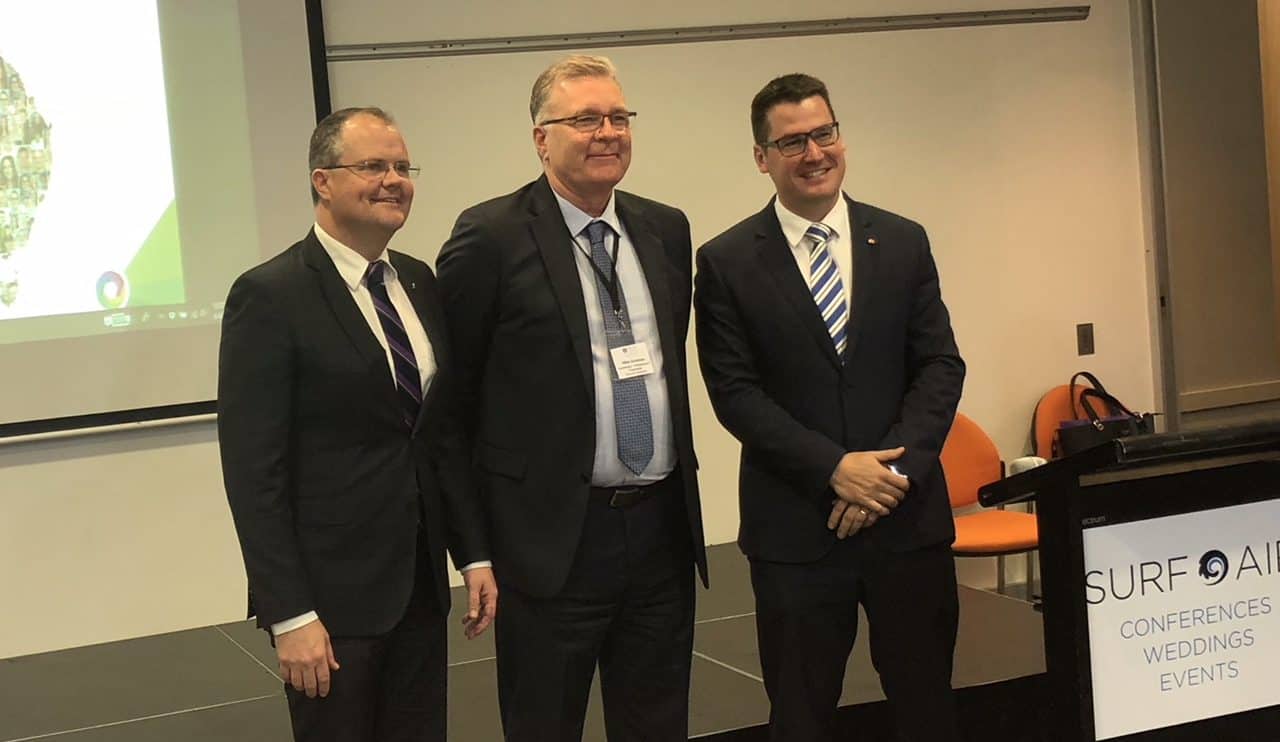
(1055, 407)
(969, 460)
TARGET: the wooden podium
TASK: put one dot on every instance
(1160, 565)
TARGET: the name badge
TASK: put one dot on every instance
(630, 361)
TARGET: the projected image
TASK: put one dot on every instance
(88, 220)
(24, 169)
(166, 144)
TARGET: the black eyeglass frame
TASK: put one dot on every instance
(803, 140)
(364, 170)
(620, 120)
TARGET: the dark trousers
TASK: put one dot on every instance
(807, 619)
(627, 607)
(390, 688)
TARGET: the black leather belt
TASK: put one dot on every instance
(625, 497)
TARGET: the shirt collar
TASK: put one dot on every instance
(351, 265)
(794, 226)
(577, 220)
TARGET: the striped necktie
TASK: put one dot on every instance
(408, 378)
(826, 286)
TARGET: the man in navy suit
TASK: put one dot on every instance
(345, 476)
(827, 351)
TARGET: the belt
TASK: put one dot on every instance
(625, 497)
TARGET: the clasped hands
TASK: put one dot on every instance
(866, 490)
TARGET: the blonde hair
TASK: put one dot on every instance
(578, 65)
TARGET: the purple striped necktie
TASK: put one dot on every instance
(408, 381)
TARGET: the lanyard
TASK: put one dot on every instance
(610, 282)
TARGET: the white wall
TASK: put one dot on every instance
(1015, 145)
(114, 536)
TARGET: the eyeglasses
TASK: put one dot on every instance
(377, 169)
(592, 122)
(793, 144)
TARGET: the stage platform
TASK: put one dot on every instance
(219, 682)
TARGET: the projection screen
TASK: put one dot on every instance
(149, 153)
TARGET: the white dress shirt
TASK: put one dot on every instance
(608, 470)
(351, 267)
(840, 245)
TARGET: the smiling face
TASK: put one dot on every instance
(583, 166)
(364, 213)
(809, 183)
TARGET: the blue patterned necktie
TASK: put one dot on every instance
(826, 286)
(631, 418)
(408, 379)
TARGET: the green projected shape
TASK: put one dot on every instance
(155, 275)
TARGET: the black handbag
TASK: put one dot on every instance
(1077, 434)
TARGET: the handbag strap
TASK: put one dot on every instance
(1093, 380)
(1111, 401)
(1097, 385)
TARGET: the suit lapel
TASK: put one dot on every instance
(343, 306)
(865, 252)
(555, 245)
(780, 263)
(415, 287)
(653, 261)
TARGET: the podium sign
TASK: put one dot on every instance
(1160, 575)
(1183, 616)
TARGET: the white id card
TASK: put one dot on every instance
(630, 361)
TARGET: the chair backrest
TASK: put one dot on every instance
(969, 460)
(1055, 407)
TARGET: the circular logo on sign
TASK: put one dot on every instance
(1213, 567)
(113, 290)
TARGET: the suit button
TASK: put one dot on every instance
(585, 477)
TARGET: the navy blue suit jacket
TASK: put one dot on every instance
(776, 384)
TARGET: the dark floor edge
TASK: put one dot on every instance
(1006, 710)
(249, 654)
(721, 663)
(122, 722)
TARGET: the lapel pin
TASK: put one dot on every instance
(872, 241)
(413, 285)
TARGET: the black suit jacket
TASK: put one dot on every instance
(326, 482)
(776, 384)
(514, 303)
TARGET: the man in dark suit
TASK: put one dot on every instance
(345, 478)
(841, 399)
(569, 306)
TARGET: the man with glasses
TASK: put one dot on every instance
(346, 478)
(827, 351)
(568, 302)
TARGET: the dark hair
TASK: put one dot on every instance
(791, 88)
(326, 140)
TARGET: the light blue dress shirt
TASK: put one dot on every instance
(608, 470)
